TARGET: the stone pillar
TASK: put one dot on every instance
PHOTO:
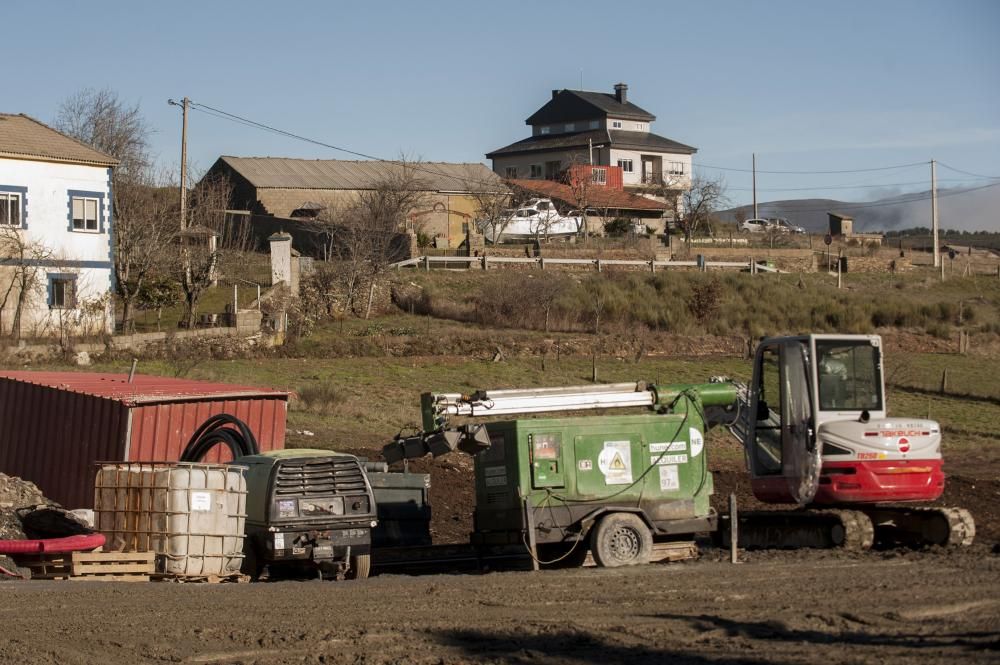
(281, 258)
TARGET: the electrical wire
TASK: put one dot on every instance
(977, 175)
(865, 170)
(420, 167)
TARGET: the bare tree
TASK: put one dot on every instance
(493, 208)
(144, 232)
(101, 119)
(22, 259)
(544, 291)
(705, 196)
(375, 220)
(202, 241)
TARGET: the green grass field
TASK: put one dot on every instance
(363, 402)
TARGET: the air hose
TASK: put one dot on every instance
(225, 429)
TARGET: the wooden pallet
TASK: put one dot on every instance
(662, 553)
(235, 578)
(91, 566)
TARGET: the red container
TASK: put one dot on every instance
(55, 426)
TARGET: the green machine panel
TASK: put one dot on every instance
(569, 467)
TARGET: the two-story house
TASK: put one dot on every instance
(55, 231)
(604, 129)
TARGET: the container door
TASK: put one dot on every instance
(546, 459)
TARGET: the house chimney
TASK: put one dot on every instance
(621, 93)
(555, 93)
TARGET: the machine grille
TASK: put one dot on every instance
(331, 476)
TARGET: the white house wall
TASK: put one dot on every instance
(635, 178)
(83, 255)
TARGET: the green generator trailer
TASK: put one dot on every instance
(610, 483)
(308, 509)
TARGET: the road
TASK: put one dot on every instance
(794, 607)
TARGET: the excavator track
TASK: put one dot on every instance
(765, 529)
(922, 526)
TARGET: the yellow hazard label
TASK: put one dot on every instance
(616, 463)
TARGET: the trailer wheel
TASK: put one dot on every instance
(361, 566)
(621, 539)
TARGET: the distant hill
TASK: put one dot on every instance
(965, 210)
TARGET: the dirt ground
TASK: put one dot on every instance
(801, 607)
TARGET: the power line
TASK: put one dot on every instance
(225, 115)
(876, 186)
(952, 168)
(926, 196)
(867, 170)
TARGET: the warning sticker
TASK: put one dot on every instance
(496, 481)
(669, 459)
(201, 501)
(615, 462)
(669, 478)
(585, 465)
(673, 447)
(697, 441)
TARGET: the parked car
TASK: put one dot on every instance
(784, 226)
(755, 226)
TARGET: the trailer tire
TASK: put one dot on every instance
(361, 566)
(621, 539)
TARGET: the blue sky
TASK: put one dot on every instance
(808, 86)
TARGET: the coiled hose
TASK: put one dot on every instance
(225, 429)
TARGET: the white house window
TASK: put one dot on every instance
(594, 124)
(536, 170)
(510, 172)
(599, 176)
(640, 126)
(10, 209)
(676, 168)
(544, 130)
(616, 124)
(626, 165)
(62, 291)
(85, 214)
(570, 127)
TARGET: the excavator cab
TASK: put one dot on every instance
(783, 456)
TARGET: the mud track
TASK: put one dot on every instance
(797, 607)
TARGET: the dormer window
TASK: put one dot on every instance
(570, 127)
(544, 130)
(640, 127)
(616, 124)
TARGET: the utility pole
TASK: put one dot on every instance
(934, 217)
(184, 103)
(755, 186)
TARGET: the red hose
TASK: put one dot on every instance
(79, 543)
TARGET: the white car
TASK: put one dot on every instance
(784, 226)
(755, 226)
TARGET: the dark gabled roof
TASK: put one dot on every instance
(23, 137)
(573, 105)
(553, 142)
(617, 139)
(648, 140)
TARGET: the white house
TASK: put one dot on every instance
(604, 129)
(56, 228)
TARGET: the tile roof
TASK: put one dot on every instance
(571, 105)
(286, 173)
(598, 197)
(23, 137)
(617, 139)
